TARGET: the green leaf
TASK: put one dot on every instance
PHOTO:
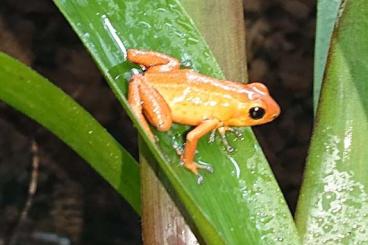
(30, 93)
(327, 13)
(333, 206)
(240, 203)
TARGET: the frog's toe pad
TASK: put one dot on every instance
(206, 167)
(200, 179)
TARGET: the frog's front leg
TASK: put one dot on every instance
(192, 140)
(153, 61)
(145, 100)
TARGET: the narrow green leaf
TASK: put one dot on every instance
(333, 206)
(327, 13)
(30, 93)
(240, 203)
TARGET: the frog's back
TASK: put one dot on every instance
(193, 97)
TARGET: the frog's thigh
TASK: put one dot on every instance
(135, 103)
(192, 140)
(155, 108)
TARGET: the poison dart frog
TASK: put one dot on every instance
(166, 94)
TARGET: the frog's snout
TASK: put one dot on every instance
(277, 111)
(274, 109)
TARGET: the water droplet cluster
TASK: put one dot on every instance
(340, 212)
(262, 195)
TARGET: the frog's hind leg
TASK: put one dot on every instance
(153, 61)
(144, 99)
(135, 102)
(155, 108)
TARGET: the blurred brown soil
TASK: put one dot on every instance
(72, 201)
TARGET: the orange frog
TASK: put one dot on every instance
(165, 94)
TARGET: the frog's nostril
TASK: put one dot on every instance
(276, 114)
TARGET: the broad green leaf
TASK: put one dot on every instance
(240, 203)
(30, 93)
(333, 206)
(327, 13)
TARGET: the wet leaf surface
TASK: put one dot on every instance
(241, 200)
(333, 206)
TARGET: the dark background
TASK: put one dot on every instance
(72, 201)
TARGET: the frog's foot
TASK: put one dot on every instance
(205, 166)
(212, 136)
(238, 134)
(194, 168)
(179, 149)
(222, 132)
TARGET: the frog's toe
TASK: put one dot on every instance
(200, 179)
(179, 151)
(238, 134)
(212, 137)
(193, 167)
(206, 167)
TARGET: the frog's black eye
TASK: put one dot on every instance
(256, 112)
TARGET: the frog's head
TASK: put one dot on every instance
(262, 107)
(259, 107)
